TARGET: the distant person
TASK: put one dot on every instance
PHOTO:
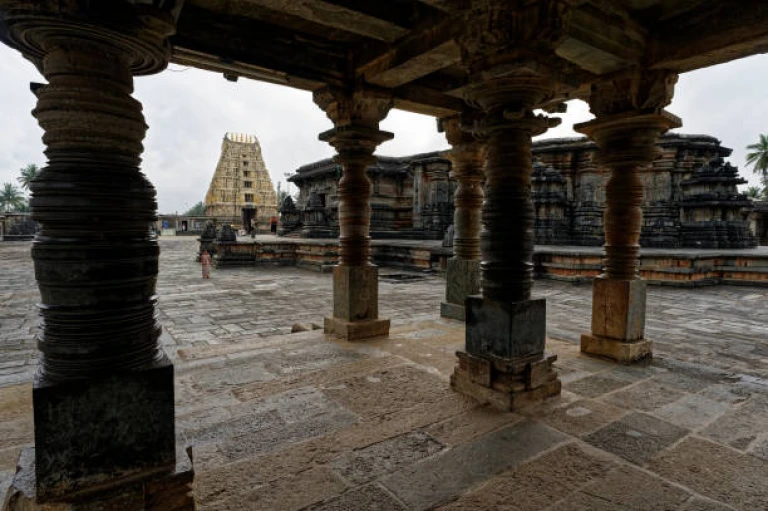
(205, 260)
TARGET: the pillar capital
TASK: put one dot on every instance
(136, 33)
(358, 107)
(640, 91)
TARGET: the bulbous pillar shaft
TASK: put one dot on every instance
(100, 363)
(463, 269)
(626, 142)
(355, 136)
(94, 261)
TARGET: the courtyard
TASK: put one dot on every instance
(281, 420)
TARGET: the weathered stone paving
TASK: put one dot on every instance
(297, 421)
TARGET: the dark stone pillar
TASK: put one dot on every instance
(504, 362)
(629, 120)
(356, 116)
(103, 393)
(463, 272)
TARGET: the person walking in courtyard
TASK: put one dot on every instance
(205, 260)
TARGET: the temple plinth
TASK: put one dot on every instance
(103, 394)
(629, 120)
(463, 270)
(355, 136)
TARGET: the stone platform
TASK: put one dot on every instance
(297, 421)
(670, 267)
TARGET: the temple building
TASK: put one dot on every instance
(241, 191)
(690, 196)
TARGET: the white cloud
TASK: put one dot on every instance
(188, 112)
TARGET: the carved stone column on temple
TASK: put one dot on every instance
(103, 394)
(504, 362)
(356, 115)
(467, 156)
(629, 120)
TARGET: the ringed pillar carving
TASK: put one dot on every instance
(103, 393)
(504, 362)
(463, 272)
(355, 136)
(630, 119)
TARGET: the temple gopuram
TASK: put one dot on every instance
(690, 196)
(241, 191)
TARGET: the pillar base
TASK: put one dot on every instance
(165, 491)
(356, 304)
(103, 429)
(623, 352)
(462, 279)
(506, 385)
(453, 311)
(356, 330)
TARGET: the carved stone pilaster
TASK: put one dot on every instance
(96, 266)
(467, 157)
(355, 136)
(630, 119)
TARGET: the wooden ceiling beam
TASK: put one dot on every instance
(719, 31)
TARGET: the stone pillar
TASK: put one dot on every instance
(103, 393)
(356, 116)
(629, 120)
(463, 271)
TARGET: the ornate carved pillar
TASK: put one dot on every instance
(467, 157)
(629, 120)
(355, 136)
(504, 362)
(103, 393)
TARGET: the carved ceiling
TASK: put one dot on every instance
(411, 47)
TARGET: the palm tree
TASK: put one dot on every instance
(196, 210)
(10, 198)
(28, 174)
(754, 192)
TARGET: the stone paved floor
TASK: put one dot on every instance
(293, 421)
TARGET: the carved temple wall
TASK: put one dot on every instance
(690, 196)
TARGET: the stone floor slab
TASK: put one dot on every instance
(445, 475)
(636, 436)
(625, 488)
(693, 411)
(718, 472)
(366, 464)
(372, 497)
(742, 425)
(597, 385)
(537, 484)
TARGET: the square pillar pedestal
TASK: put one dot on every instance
(109, 438)
(462, 279)
(356, 304)
(618, 321)
(504, 364)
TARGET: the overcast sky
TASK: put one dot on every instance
(189, 111)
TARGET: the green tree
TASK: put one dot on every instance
(28, 174)
(196, 210)
(23, 207)
(758, 158)
(10, 198)
(754, 192)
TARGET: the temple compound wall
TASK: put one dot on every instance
(241, 191)
(690, 196)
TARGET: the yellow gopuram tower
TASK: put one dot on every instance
(241, 190)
